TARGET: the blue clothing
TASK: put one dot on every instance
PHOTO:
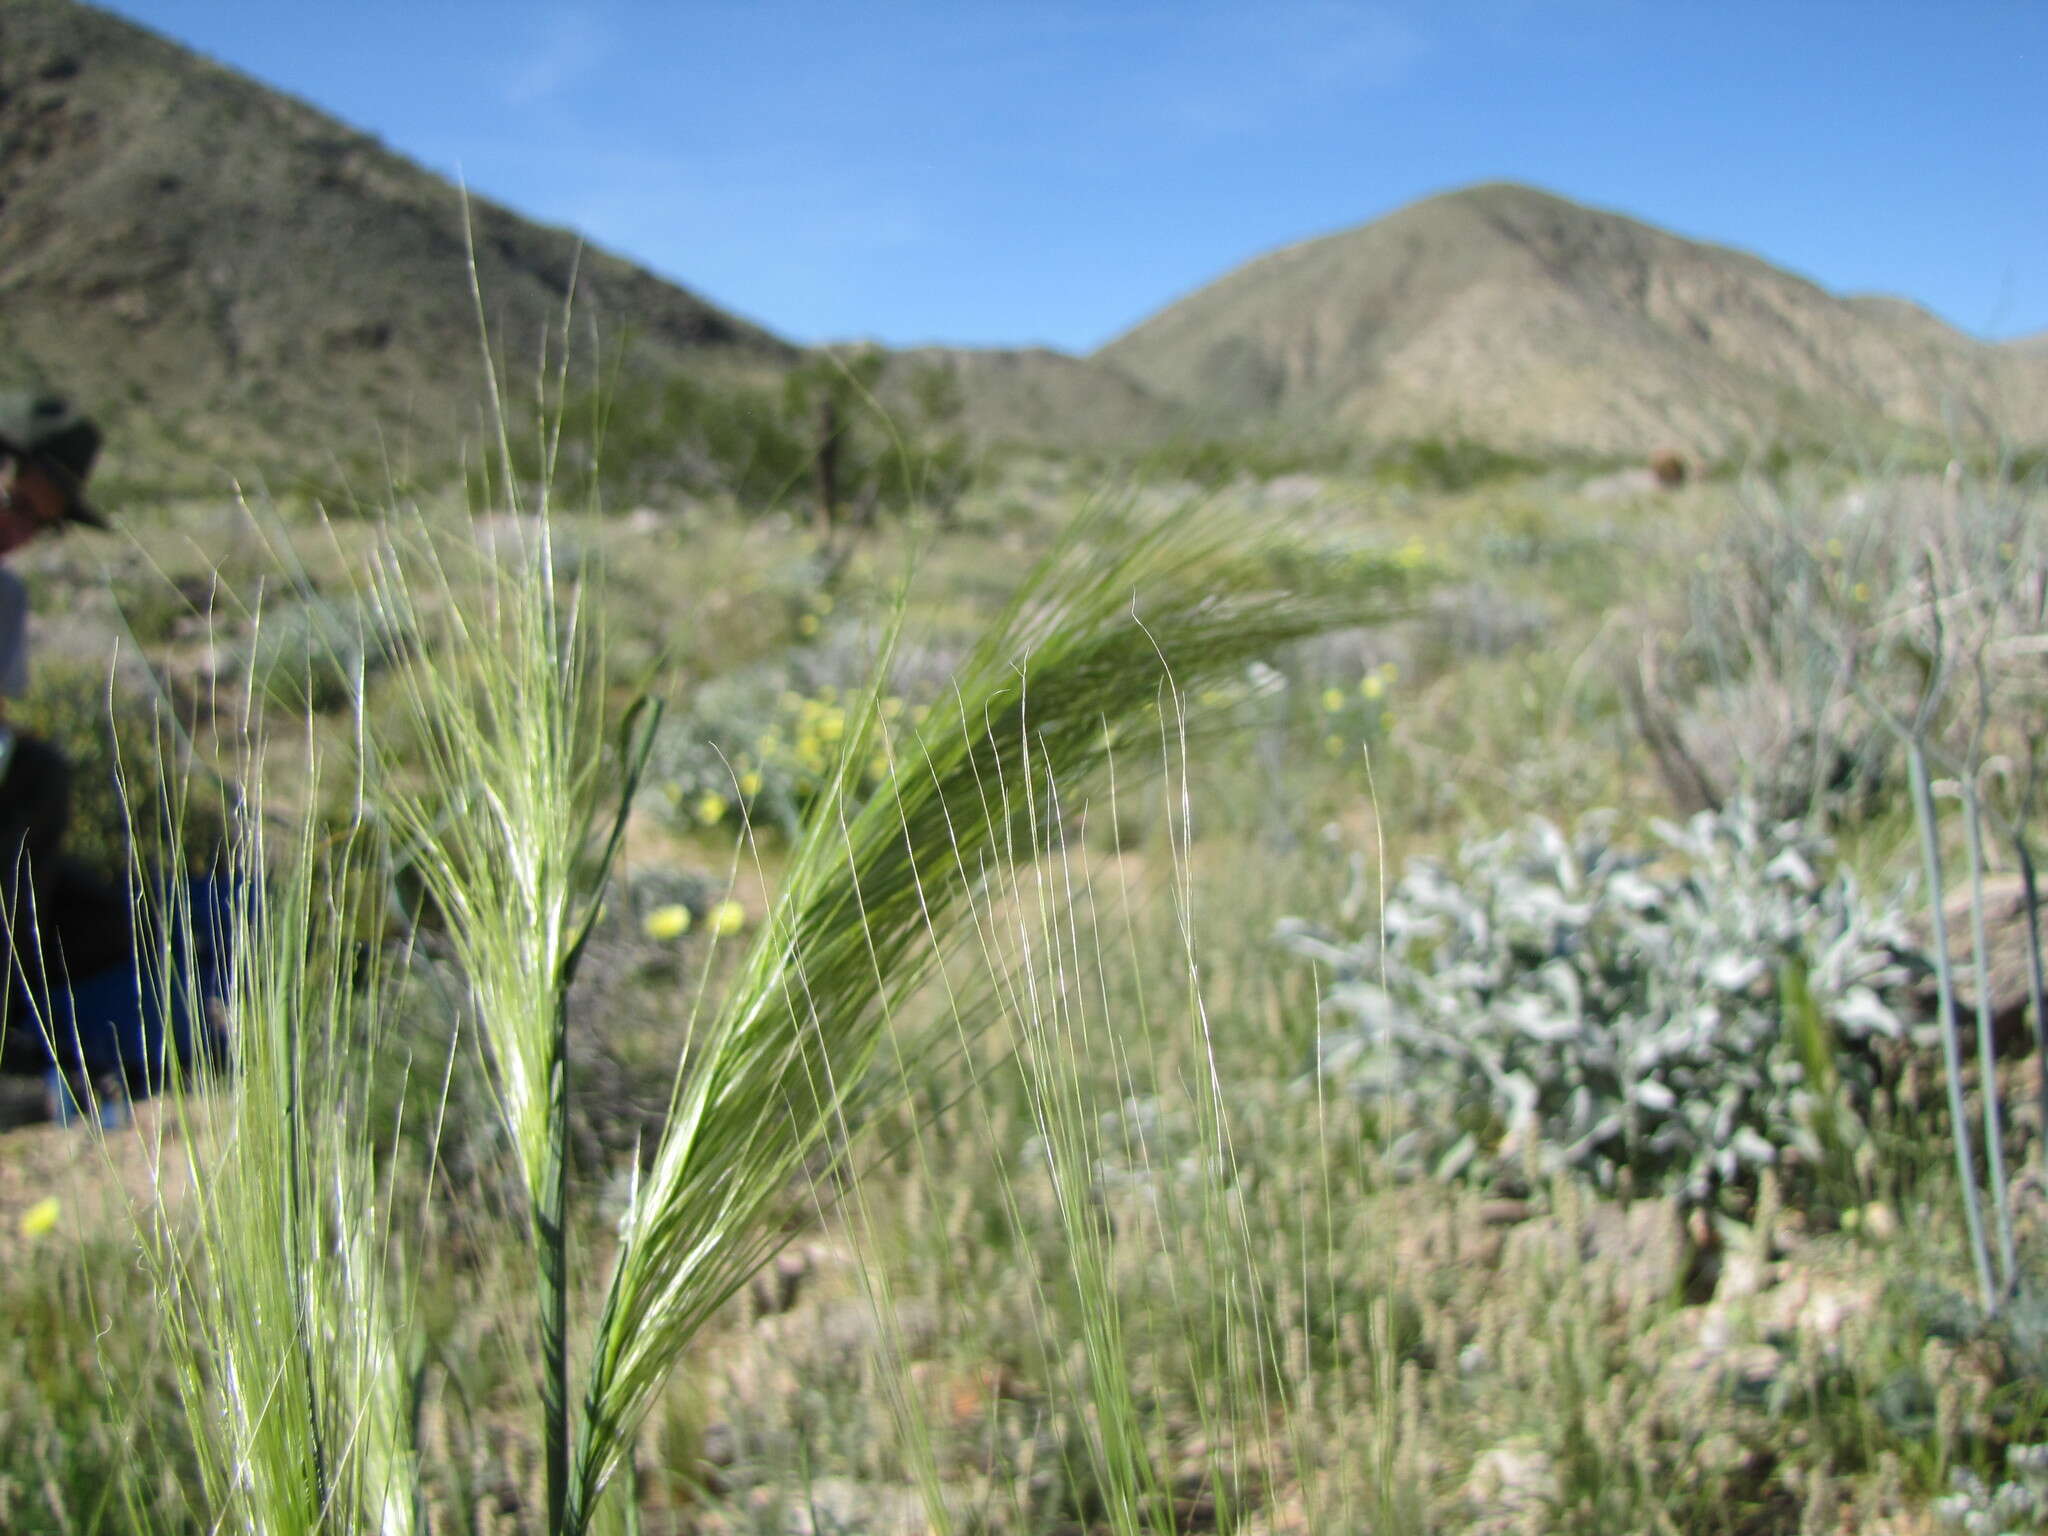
(13, 635)
(130, 1021)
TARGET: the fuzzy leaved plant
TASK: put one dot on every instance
(1693, 1012)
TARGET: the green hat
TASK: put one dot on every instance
(45, 430)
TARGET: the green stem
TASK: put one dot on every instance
(1987, 1062)
(2034, 981)
(299, 1260)
(551, 1244)
(1951, 1046)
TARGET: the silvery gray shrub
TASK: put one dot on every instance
(1549, 1003)
(2018, 1505)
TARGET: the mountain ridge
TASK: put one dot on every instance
(1556, 325)
(232, 277)
(227, 269)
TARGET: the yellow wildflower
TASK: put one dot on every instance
(1860, 592)
(1373, 686)
(665, 923)
(1333, 699)
(831, 725)
(711, 808)
(726, 919)
(807, 625)
(750, 783)
(40, 1218)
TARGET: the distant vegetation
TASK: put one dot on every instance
(819, 439)
(1423, 464)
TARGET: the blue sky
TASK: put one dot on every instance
(1051, 172)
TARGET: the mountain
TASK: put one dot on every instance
(1509, 314)
(236, 282)
(231, 277)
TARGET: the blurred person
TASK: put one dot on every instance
(58, 920)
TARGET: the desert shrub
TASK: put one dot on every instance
(638, 441)
(2018, 1504)
(1449, 464)
(317, 653)
(1214, 462)
(1815, 627)
(1566, 1004)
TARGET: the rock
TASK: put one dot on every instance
(841, 1506)
(1291, 490)
(1745, 1373)
(775, 1288)
(1513, 1487)
(718, 1446)
(846, 1327)
(2007, 944)
(1639, 1254)
(1622, 485)
(1668, 466)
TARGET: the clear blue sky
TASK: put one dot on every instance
(1046, 171)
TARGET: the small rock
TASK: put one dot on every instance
(1622, 485)
(1639, 1254)
(1513, 1487)
(1744, 1372)
(775, 1287)
(718, 1445)
(840, 1506)
(2006, 943)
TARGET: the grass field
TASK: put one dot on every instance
(744, 1041)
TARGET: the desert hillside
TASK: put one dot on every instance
(239, 274)
(236, 279)
(1507, 313)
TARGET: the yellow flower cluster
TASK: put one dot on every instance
(667, 923)
(1353, 718)
(812, 620)
(797, 753)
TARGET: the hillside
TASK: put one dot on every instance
(238, 282)
(1516, 316)
(1034, 395)
(236, 278)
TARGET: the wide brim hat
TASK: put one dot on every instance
(45, 430)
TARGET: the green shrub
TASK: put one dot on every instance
(1450, 464)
